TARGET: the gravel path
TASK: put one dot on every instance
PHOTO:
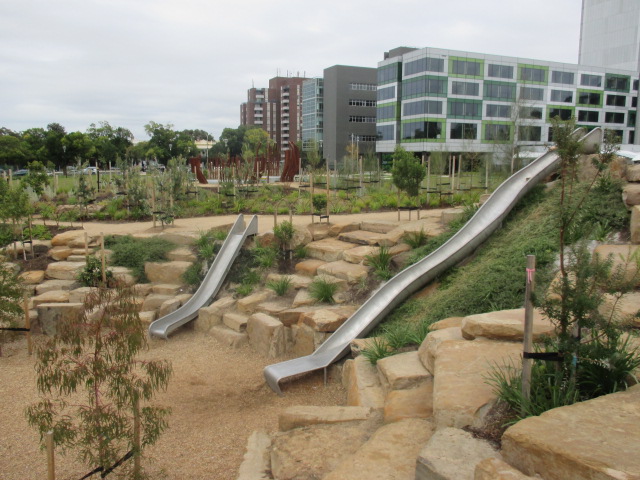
(217, 395)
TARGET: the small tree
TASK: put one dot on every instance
(94, 355)
(407, 172)
(10, 296)
(37, 177)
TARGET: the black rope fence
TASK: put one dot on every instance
(107, 471)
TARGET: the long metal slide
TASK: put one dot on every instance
(486, 220)
(212, 281)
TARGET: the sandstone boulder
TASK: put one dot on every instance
(303, 299)
(446, 323)
(345, 270)
(328, 249)
(60, 253)
(338, 228)
(250, 303)
(32, 277)
(631, 194)
(167, 289)
(635, 224)
(362, 237)
(309, 267)
(181, 254)
(633, 173)
(166, 272)
(622, 256)
(168, 306)
(49, 285)
(304, 416)
(80, 294)
(212, 315)
(49, 314)
(305, 339)
(361, 381)
(505, 325)
(429, 347)
(64, 270)
(327, 319)
(54, 296)
(71, 238)
(256, 462)
(266, 334)
(416, 402)
(495, 469)
(358, 254)
(229, 337)
(451, 214)
(402, 371)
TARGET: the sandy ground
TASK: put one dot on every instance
(218, 398)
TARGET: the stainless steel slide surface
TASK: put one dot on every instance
(487, 219)
(212, 281)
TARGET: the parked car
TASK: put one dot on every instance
(90, 170)
(20, 173)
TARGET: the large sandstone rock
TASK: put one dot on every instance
(309, 453)
(378, 226)
(166, 272)
(273, 307)
(303, 299)
(495, 469)
(338, 228)
(362, 237)
(291, 316)
(256, 463)
(451, 214)
(461, 395)
(167, 289)
(309, 267)
(622, 256)
(297, 281)
(361, 381)
(327, 319)
(32, 277)
(452, 454)
(303, 416)
(49, 314)
(416, 402)
(389, 454)
(49, 285)
(79, 295)
(429, 347)
(631, 194)
(182, 254)
(345, 270)
(635, 224)
(60, 253)
(71, 238)
(402, 371)
(625, 309)
(266, 335)
(301, 236)
(168, 306)
(229, 337)
(124, 275)
(446, 323)
(505, 325)
(633, 173)
(328, 249)
(358, 254)
(154, 302)
(306, 340)
(212, 315)
(64, 270)
(235, 321)
(54, 296)
(593, 440)
(250, 303)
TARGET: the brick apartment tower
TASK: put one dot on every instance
(277, 110)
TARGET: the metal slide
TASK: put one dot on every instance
(487, 219)
(211, 283)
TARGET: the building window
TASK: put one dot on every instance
(589, 98)
(619, 83)
(424, 65)
(634, 102)
(635, 87)
(499, 91)
(529, 133)
(631, 119)
(386, 112)
(562, 77)
(386, 132)
(366, 138)
(465, 88)
(422, 107)
(361, 119)
(564, 96)
(532, 74)
(613, 117)
(389, 73)
(531, 93)
(363, 86)
(387, 93)
(424, 86)
(501, 111)
(563, 113)
(465, 109)
(361, 103)
(465, 67)
(421, 130)
(532, 113)
(588, 116)
(463, 131)
(616, 100)
(500, 71)
(497, 132)
(590, 80)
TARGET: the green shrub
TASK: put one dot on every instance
(376, 350)
(133, 253)
(415, 239)
(280, 286)
(301, 252)
(323, 290)
(40, 232)
(284, 232)
(244, 289)
(91, 274)
(193, 275)
(265, 257)
(381, 262)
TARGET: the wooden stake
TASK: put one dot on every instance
(55, 183)
(86, 246)
(27, 323)
(51, 464)
(459, 170)
(136, 439)
(528, 326)
(104, 270)
(153, 202)
(33, 251)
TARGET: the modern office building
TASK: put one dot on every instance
(432, 99)
(312, 112)
(610, 34)
(277, 110)
(349, 112)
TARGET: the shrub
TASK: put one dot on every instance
(133, 253)
(280, 286)
(301, 251)
(265, 257)
(376, 350)
(284, 232)
(91, 274)
(323, 290)
(381, 262)
(415, 239)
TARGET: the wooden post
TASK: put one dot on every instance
(153, 202)
(33, 251)
(361, 174)
(27, 323)
(55, 183)
(136, 439)
(428, 181)
(528, 326)
(104, 270)
(486, 174)
(311, 189)
(86, 246)
(459, 170)
(51, 464)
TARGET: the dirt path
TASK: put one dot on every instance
(217, 395)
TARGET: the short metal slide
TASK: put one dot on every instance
(486, 220)
(212, 281)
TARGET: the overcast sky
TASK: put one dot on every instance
(190, 62)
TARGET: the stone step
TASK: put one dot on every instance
(266, 335)
(77, 258)
(49, 285)
(64, 270)
(602, 438)
(235, 321)
(229, 337)
(452, 454)
(379, 226)
(212, 315)
(390, 453)
(505, 325)
(167, 289)
(328, 249)
(344, 270)
(309, 267)
(362, 383)
(256, 463)
(327, 319)
(273, 307)
(53, 296)
(297, 281)
(249, 304)
(303, 416)
(363, 237)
